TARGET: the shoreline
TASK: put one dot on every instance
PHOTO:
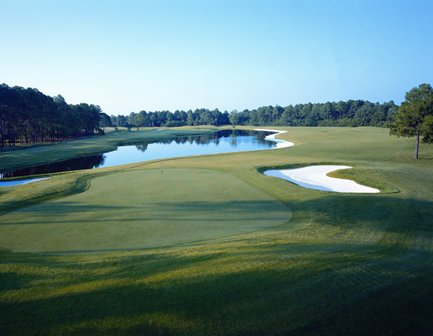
(280, 143)
(14, 183)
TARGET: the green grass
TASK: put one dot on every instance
(342, 265)
(142, 209)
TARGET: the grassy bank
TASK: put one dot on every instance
(323, 264)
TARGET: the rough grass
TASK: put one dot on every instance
(343, 265)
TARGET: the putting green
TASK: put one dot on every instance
(141, 209)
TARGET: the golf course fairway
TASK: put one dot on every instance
(142, 209)
(208, 245)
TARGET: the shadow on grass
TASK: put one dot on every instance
(318, 293)
(57, 213)
(382, 214)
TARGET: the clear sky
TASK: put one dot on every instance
(154, 55)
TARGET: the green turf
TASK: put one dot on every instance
(143, 209)
(343, 265)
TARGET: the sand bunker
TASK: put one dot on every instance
(315, 177)
(280, 143)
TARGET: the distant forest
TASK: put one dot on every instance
(350, 113)
(28, 116)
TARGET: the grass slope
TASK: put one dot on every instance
(344, 264)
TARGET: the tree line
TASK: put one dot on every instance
(172, 119)
(29, 116)
(350, 113)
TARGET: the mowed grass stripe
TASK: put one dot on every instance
(142, 209)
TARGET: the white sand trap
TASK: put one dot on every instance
(280, 142)
(20, 182)
(315, 177)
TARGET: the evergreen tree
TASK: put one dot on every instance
(415, 116)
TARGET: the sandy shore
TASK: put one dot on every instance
(315, 177)
(280, 143)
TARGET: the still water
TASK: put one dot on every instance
(226, 141)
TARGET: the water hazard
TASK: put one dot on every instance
(225, 141)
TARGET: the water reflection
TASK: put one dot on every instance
(86, 162)
(225, 141)
(142, 147)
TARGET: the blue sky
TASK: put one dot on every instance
(153, 55)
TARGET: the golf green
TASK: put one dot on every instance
(153, 208)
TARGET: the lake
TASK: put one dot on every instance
(226, 141)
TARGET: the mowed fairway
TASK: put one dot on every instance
(229, 251)
(143, 209)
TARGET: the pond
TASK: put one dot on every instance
(226, 141)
